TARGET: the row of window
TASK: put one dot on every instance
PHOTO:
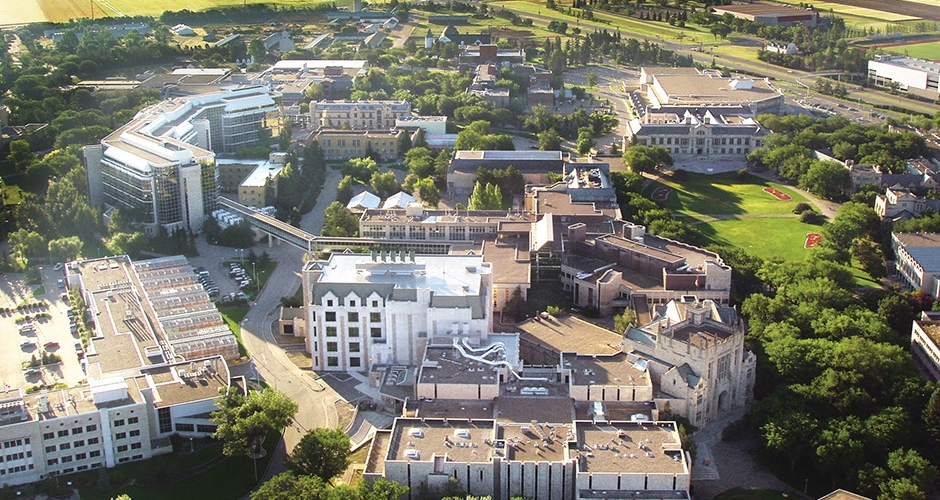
(78, 457)
(352, 303)
(15, 442)
(14, 470)
(75, 430)
(333, 361)
(353, 331)
(352, 317)
(77, 444)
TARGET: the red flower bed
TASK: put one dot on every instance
(780, 195)
(812, 239)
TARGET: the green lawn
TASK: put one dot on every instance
(157, 7)
(233, 316)
(746, 494)
(920, 50)
(11, 193)
(229, 478)
(762, 237)
(724, 194)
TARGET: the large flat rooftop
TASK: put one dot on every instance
(460, 440)
(570, 334)
(605, 370)
(445, 365)
(630, 447)
(711, 90)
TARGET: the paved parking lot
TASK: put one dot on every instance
(48, 331)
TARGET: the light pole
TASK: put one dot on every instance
(257, 285)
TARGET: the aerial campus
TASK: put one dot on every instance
(508, 249)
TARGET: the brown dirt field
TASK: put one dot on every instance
(509, 34)
(920, 10)
(63, 10)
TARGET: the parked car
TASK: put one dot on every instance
(32, 371)
(51, 345)
(58, 266)
(26, 344)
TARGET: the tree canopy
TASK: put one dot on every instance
(323, 453)
(241, 419)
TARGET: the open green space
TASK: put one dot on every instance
(11, 193)
(223, 477)
(233, 316)
(747, 494)
(929, 50)
(725, 194)
(762, 237)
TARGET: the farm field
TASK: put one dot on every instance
(29, 11)
(850, 8)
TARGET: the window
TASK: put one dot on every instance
(352, 317)
(76, 430)
(66, 459)
(81, 456)
(353, 331)
(93, 454)
(355, 362)
(332, 361)
(329, 303)
(125, 459)
(331, 347)
(352, 303)
(330, 316)
(52, 461)
(91, 428)
(137, 457)
(136, 446)
(165, 420)
(132, 420)
(92, 440)
(205, 428)
(65, 446)
(375, 317)
(331, 331)
(50, 449)
(119, 423)
(96, 465)
(122, 448)
(376, 333)
(63, 434)
(135, 433)
(375, 303)
(122, 435)
(185, 428)
(78, 444)
(354, 347)
(48, 435)
(82, 467)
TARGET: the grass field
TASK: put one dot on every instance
(929, 50)
(762, 237)
(30, 11)
(233, 316)
(724, 194)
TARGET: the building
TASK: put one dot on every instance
(432, 125)
(690, 87)
(534, 165)
(451, 35)
(278, 42)
(695, 354)
(914, 76)
(154, 369)
(770, 15)
(363, 201)
(162, 162)
(639, 270)
(691, 134)
(917, 261)
(359, 115)
(782, 48)
(345, 144)
(383, 309)
(259, 188)
(925, 344)
(555, 460)
(900, 203)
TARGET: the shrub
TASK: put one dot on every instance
(808, 217)
(553, 310)
(802, 207)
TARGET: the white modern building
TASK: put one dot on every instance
(365, 310)
(917, 261)
(925, 344)
(915, 76)
(162, 162)
(155, 365)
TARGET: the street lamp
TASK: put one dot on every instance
(257, 285)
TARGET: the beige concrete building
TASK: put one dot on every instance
(917, 261)
(346, 144)
(358, 115)
(689, 87)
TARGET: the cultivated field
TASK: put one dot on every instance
(29, 11)
(929, 50)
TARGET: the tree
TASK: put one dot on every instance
(585, 140)
(592, 78)
(624, 320)
(288, 486)
(381, 489)
(428, 192)
(21, 155)
(485, 197)
(323, 453)
(385, 184)
(285, 136)
(549, 140)
(242, 419)
(63, 249)
(646, 158)
(828, 179)
(256, 50)
(337, 221)
(931, 415)
(344, 190)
